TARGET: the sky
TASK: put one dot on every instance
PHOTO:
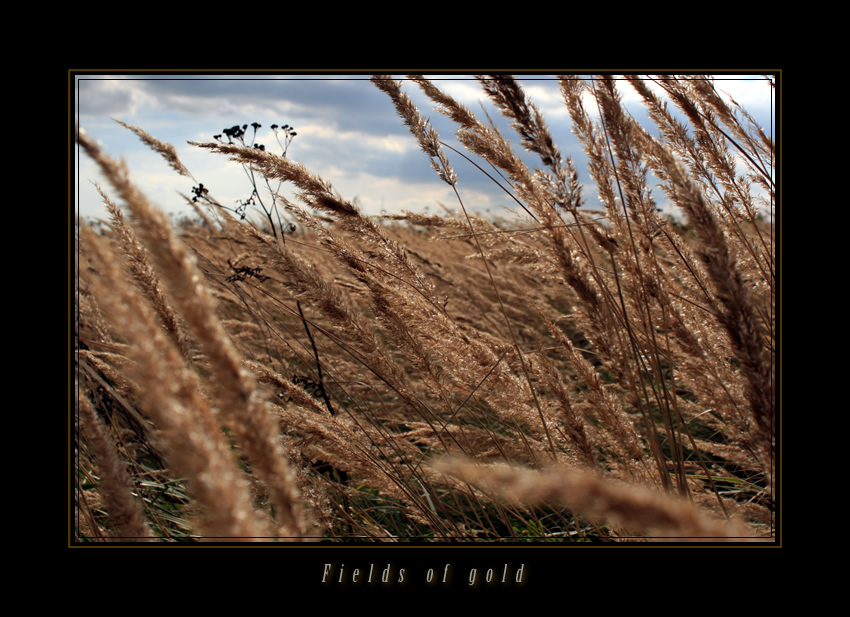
(347, 132)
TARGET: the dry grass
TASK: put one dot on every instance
(569, 375)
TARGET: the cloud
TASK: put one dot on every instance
(348, 131)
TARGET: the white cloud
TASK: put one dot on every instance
(467, 91)
(396, 144)
(748, 91)
(348, 132)
(547, 98)
(394, 194)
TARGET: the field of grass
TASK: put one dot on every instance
(315, 374)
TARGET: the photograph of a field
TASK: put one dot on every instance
(300, 371)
